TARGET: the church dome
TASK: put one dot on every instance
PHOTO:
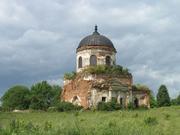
(96, 40)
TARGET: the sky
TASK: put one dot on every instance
(38, 39)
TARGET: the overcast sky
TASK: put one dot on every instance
(38, 39)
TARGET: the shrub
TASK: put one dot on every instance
(66, 106)
(47, 125)
(130, 106)
(167, 116)
(112, 123)
(70, 76)
(176, 101)
(104, 69)
(140, 87)
(143, 107)
(52, 109)
(20, 127)
(153, 102)
(135, 115)
(108, 106)
(150, 121)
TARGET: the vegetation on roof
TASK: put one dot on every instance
(103, 69)
(70, 76)
(141, 87)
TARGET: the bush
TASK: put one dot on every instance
(143, 107)
(176, 101)
(108, 106)
(104, 69)
(70, 76)
(66, 106)
(130, 106)
(167, 116)
(150, 121)
(52, 109)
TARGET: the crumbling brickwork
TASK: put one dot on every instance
(79, 88)
(87, 89)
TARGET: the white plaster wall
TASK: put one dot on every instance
(142, 101)
(96, 96)
(100, 54)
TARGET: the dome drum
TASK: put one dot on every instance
(95, 50)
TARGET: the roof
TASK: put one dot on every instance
(96, 40)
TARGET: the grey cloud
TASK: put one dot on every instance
(38, 38)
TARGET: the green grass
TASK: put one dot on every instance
(158, 121)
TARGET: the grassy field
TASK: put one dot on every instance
(159, 121)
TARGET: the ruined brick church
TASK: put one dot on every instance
(88, 89)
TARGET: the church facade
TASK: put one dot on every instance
(88, 89)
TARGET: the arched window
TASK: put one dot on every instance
(108, 60)
(76, 101)
(93, 60)
(80, 62)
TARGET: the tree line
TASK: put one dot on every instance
(163, 98)
(43, 96)
(39, 97)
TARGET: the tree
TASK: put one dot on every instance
(163, 98)
(17, 97)
(57, 94)
(174, 101)
(153, 102)
(178, 100)
(42, 96)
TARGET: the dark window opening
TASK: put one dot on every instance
(93, 60)
(80, 62)
(121, 101)
(136, 102)
(108, 60)
(103, 99)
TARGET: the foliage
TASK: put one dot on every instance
(17, 97)
(130, 106)
(56, 94)
(167, 116)
(108, 106)
(67, 106)
(153, 102)
(163, 98)
(104, 69)
(70, 76)
(52, 109)
(141, 87)
(176, 101)
(43, 95)
(150, 121)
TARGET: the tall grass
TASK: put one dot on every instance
(161, 121)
